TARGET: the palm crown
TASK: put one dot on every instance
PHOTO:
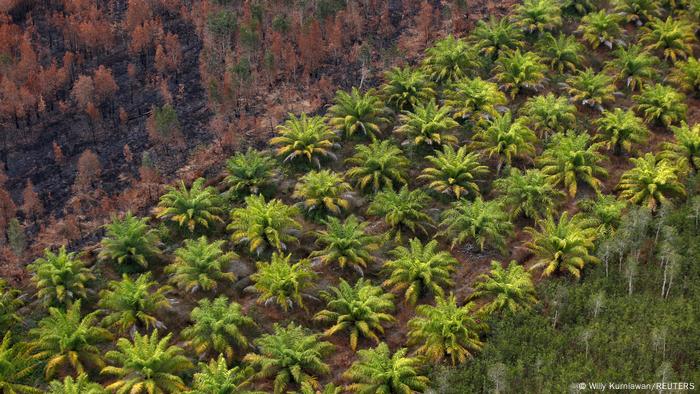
(474, 99)
(428, 124)
(496, 35)
(80, 385)
(263, 224)
(357, 112)
(249, 173)
(538, 15)
(305, 138)
(528, 193)
(685, 148)
(10, 302)
(60, 277)
(562, 52)
(377, 370)
(483, 222)
(506, 139)
(323, 192)
(200, 265)
(634, 66)
(378, 165)
(193, 209)
(449, 60)
(454, 173)
(601, 27)
(637, 11)
(661, 103)
(516, 70)
(591, 88)
(619, 129)
(16, 366)
(509, 289)
(405, 88)
(402, 210)
(549, 114)
(215, 377)
(133, 303)
(673, 37)
(281, 281)
(651, 182)
(345, 243)
(687, 75)
(129, 241)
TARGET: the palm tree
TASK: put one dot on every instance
(419, 269)
(474, 99)
(633, 65)
(252, 172)
(263, 224)
(291, 355)
(345, 243)
(601, 27)
(564, 245)
(496, 35)
(360, 309)
(605, 211)
(428, 124)
(591, 88)
(685, 148)
(378, 371)
(483, 222)
(516, 70)
(68, 341)
(454, 173)
(509, 289)
(686, 75)
(304, 138)
(549, 114)
(192, 209)
(637, 11)
(216, 378)
(661, 103)
(579, 7)
(216, 326)
(406, 87)
(529, 193)
(674, 37)
(131, 304)
(357, 112)
(330, 388)
(80, 385)
(402, 210)
(11, 300)
(60, 277)
(323, 193)
(445, 331)
(147, 365)
(571, 158)
(129, 241)
(378, 165)
(200, 265)
(450, 59)
(562, 53)
(282, 282)
(651, 182)
(15, 366)
(538, 15)
(505, 138)
(619, 129)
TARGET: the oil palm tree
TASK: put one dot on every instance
(590, 88)
(579, 7)
(403, 210)
(661, 104)
(605, 211)
(252, 172)
(619, 129)
(562, 53)
(345, 243)
(508, 289)
(637, 11)
(686, 75)
(200, 265)
(378, 165)
(377, 370)
(80, 385)
(193, 209)
(404, 88)
(633, 65)
(538, 15)
(506, 139)
(305, 139)
(516, 70)
(428, 124)
(548, 114)
(16, 366)
(357, 112)
(474, 99)
(215, 377)
(496, 35)
(685, 148)
(454, 172)
(264, 224)
(330, 388)
(322, 193)
(673, 37)
(651, 182)
(361, 309)
(60, 277)
(129, 241)
(11, 300)
(601, 27)
(282, 282)
(450, 59)
(527, 193)
(483, 222)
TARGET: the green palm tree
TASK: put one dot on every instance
(263, 224)
(674, 37)
(661, 103)
(496, 35)
(450, 59)
(282, 282)
(637, 11)
(516, 70)
(193, 209)
(345, 243)
(60, 277)
(330, 388)
(11, 300)
(291, 355)
(252, 172)
(428, 124)
(633, 65)
(216, 378)
(562, 53)
(549, 114)
(80, 385)
(16, 366)
(68, 341)
(579, 7)
(686, 75)
(601, 27)
(591, 88)
(605, 211)
(378, 165)
(651, 182)
(129, 241)
(619, 129)
(454, 173)
(685, 148)
(445, 330)
(217, 326)
(147, 365)
(538, 15)
(304, 138)
(505, 138)
(404, 88)
(419, 269)
(200, 265)
(571, 159)
(403, 210)
(377, 370)
(529, 193)
(509, 289)
(483, 222)
(133, 304)
(357, 112)
(474, 99)
(361, 309)
(563, 245)
(322, 193)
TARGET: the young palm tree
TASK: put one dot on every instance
(345, 243)
(378, 165)
(661, 104)
(549, 114)
(357, 112)
(147, 365)
(403, 210)
(323, 193)
(291, 355)
(637, 11)
(454, 173)
(445, 331)
(591, 88)
(605, 211)
(305, 138)
(562, 53)
(506, 139)
(538, 15)
(80, 385)
(509, 289)
(16, 366)
(419, 269)
(685, 148)
(252, 172)
(564, 245)
(360, 309)
(217, 326)
(571, 158)
(194, 209)
(674, 37)
(68, 341)
(686, 75)
(483, 222)
(132, 304)
(601, 27)
(216, 378)
(619, 129)
(129, 241)
(529, 193)
(378, 371)
(406, 87)
(651, 182)
(516, 70)
(282, 282)
(633, 65)
(450, 59)
(200, 265)
(263, 224)
(60, 277)
(10, 301)
(496, 35)
(474, 99)
(579, 7)
(330, 388)
(428, 124)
